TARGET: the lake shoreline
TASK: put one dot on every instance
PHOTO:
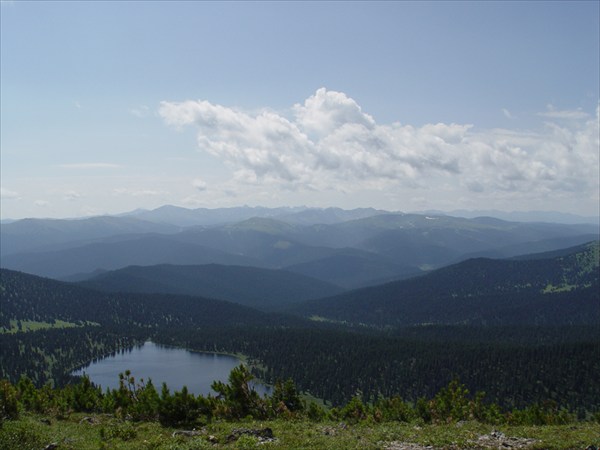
(176, 366)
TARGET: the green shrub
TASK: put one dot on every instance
(315, 412)
(118, 430)
(546, 413)
(85, 397)
(395, 409)
(179, 409)
(355, 410)
(285, 398)
(423, 410)
(19, 435)
(239, 399)
(452, 403)
(9, 406)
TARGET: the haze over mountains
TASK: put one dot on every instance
(554, 288)
(349, 249)
(339, 300)
(263, 289)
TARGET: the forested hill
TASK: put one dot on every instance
(563, 289)
(264, 289)
(25, 297)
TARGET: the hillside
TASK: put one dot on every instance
(557, 290)
(117, 253)
(44, 234)
(258, 288)
(50, 327)
(352, 268)
(26, 297)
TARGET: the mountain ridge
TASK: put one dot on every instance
(561, 289)
(29, 297)
(370, 247)
(263, 289)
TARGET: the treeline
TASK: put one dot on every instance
(137, 400)
(515, 366)
(334, 365)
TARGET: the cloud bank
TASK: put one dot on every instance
(329, 143)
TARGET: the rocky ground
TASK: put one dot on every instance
(493, 440)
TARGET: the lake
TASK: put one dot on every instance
(175, 366)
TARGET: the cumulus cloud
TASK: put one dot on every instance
(328, 142)
(199, 184)
(326, 111)
(7, 194)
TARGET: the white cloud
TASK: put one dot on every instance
(507, 113)
(329, 143)
(573, 114)
(199, 184)
(71, 196)
(326, 111)
(41, 203)
(7, 194)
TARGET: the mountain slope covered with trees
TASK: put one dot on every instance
(557, 290)
(263, 289)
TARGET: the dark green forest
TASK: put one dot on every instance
(514, 366)
(550, 355)
(555, 289)
(48, 356)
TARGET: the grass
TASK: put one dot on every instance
(31, 325)
(105, 431)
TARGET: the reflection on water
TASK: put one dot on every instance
(174, 366)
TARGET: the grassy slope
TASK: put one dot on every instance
(108, 432)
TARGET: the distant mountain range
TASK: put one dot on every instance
(184, 217)
(350, 249)
(48, 234)
(520, 216)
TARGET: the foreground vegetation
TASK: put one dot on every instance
(135, 416)
(83, 432)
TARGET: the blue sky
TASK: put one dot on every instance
(111, 106)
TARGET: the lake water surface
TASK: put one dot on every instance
(175, 366)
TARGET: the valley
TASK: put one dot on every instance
(349, 305)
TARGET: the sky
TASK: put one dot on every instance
(107, 107)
